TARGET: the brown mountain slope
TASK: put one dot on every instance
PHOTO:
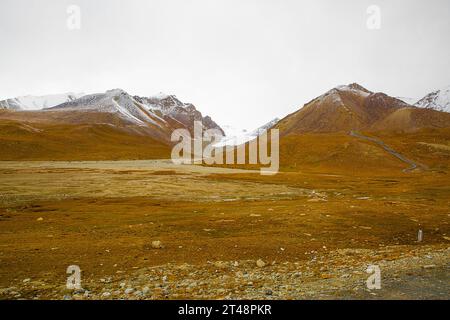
(342, 153)
(334, 152)
(160, 132)
(317, 137)
(110, 125)
(429, 149)
(341, 109)
(46, 141)
(161, 113)
(412, 119)
(353, 107)
(428, 146)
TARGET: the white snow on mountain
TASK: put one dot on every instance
(27, 103)
(234, 136)
(162, 110)
(354, 87)
(231, 131)
(113, 101)
(170, 108)
(166, 104)
(438, 100)
(334, 95)
(408, 100)
(265, 127)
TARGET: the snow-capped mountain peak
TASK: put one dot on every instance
(162, 112)
(170, 107)
(113, 101)
(407, 100)
(335, 95)
(265, 127)
(165, 112)
(234, 136)
(29, 102)
(165, 103)
(438, 100)
(353, 87)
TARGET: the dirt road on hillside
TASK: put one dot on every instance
(413, 165)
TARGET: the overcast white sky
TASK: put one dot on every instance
(243, 62)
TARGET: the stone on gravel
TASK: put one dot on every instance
(260, 263)
(157, 244)
(129, 290)
(145, 290)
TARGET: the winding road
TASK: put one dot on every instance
(413, 165)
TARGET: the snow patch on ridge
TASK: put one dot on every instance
(112, 101)
(31, 103)
(235, 137)
(438, 100)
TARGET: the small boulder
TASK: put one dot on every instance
(157, 244)
(129, 290)
(220, 264)
(145, 290)
(260, 263)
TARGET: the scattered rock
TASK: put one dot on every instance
(220, 264)
(129, 290)
(268, 292)
(260, 263)
(145, 290)
(157, 244)
(211, 280)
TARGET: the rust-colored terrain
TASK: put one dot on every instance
(75, 137)
(353, 193)
(318, 231)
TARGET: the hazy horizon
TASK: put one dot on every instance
(241, 62)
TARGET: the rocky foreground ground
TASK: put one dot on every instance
(290, 236)
(407, 272)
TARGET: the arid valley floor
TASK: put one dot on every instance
(315, 233)
(203, 154)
